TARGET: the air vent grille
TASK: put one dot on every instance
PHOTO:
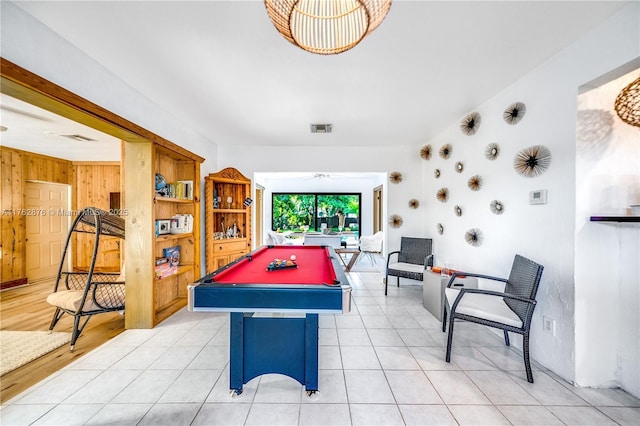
(321, 128)
(79, 138)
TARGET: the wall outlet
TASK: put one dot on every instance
(549, 325)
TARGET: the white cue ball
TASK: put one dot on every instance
(293, 257)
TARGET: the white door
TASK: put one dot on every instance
(47, 226)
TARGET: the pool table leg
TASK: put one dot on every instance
(236, 352)
(311, 354)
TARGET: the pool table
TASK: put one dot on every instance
(268, 343)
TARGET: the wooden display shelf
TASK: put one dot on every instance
(242, 211)
(173, 200)
(169, 237)
(181, 270)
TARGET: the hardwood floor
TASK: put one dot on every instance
(25, 308)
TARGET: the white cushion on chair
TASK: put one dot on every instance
(484, 306)
(70, 300)
(410, 267)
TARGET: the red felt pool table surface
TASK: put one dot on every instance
(314, 267)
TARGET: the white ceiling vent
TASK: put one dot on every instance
(79, 138)
(321, 128)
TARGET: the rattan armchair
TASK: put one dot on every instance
(414, 256)
(510, 311)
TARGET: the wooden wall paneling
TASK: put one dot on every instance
(12, 224)
(93, 183)
(17, 167)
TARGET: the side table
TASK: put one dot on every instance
(433, 290)
(354, 252)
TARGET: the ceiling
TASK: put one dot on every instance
(222, 68)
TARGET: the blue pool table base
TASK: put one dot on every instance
(263, 345)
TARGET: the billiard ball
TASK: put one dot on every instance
(293, 257)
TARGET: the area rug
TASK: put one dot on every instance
(20, 347)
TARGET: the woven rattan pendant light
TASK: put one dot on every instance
(326, 27)
(627, 104)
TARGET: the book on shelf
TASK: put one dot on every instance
(165, 270)
(173, 254)
(182, 189)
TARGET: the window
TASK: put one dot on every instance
(316, 212)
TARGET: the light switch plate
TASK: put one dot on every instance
(538, 196)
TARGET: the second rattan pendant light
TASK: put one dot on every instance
(326, 27)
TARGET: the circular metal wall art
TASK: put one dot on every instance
(514, 113)
(395, 177)
(475, 183)
(459, 167)
(445, 151)
(395, 221)
(496, 207)
(425, 152)
(470, 124)
(492, 151)
(440, 228)
(458, 210)
(414, 203)
(443, 195)
(474, 237)
(436, 173)
(532, 161)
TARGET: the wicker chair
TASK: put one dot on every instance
(510, 311)
(412, 259)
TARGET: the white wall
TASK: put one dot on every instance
(607, 254)
(544, 233)
(30, 44)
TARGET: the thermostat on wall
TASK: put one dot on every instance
(538, 196)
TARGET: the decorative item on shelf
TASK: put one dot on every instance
(627, 104)
(474, 237)
(532, 161)
(182, 224)
(229, 201)
(440, 228)
(328, 27)
(474, 183)
(496, 207)
(414, 203)
(173, 254)
(395, 177)
(492, 151)
(161, 185)
(445, 151)
(395, 221)
(458, 210)
(459, 167)
(514, 113)
(163, 226)
(425, 152)
(216, 199)
(436, 173)
(443, 194)
(470, 124)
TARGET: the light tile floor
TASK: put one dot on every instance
(382, 364)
